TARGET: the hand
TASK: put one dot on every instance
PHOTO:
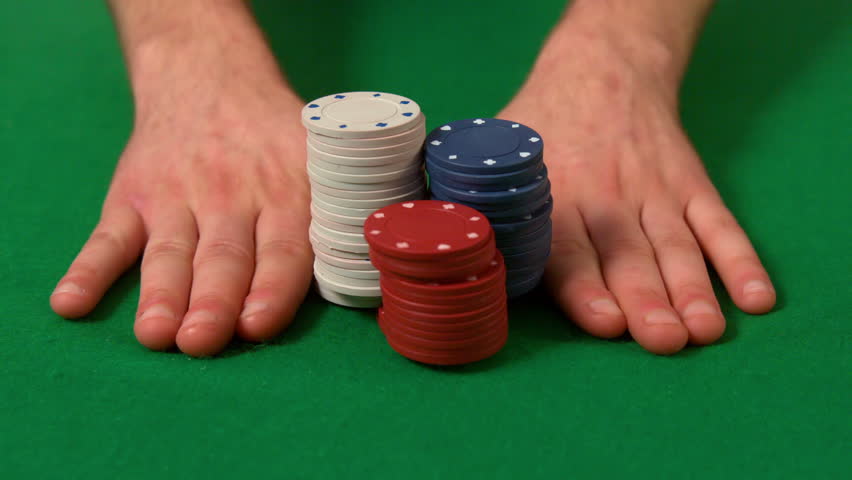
(634, 208)
(211, 189)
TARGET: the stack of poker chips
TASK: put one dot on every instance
(497, 167)
(442, 280)
(364, 152)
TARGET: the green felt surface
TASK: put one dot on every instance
(768, 104)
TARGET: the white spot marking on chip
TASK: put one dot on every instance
(448, 206)
(446, 128)
(524, 154)
(472, 278)
(534, 139)
(493, 263)
(375, 232)
(471, 191)
(515, 125)
(408, 205)
(513, 190)
(479, 121)
(435, 142)
(489, 162)
(539, 177)
(527, 217)
(475, 219)
(444, 246)
(402, 245)
(379, 215)
(472, 235)
(453, 157)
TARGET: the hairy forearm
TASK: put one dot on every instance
(193, 47)
(656, 35)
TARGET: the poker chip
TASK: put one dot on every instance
(370, 274)
(484, 146)
(317, 175)
(364, 152)
(344, 300)
(400, 173)
(385, 192)
(439, 357)
(451, 269)
(359, 157)
(425, 229)
(497, 167)
(354, 265)
(485, 183)
(491, 200)
(490, 278)
(442, 281)
(409, 162)
(416, 133)
(374, 204)
(360, 115)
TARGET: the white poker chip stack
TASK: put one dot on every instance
(364, 153)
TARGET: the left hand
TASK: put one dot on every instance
(633, 206)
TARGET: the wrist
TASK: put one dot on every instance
(180, 71)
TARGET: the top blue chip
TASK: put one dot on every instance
(485, 146)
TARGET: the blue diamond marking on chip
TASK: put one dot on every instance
(338, 96)
(407, 114)
(381, 124)
(377, 94)
(313, 105)
(405, 102)
(315, 118)
(342, 126)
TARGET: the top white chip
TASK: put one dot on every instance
(360, 115)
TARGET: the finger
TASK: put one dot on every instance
(684, 273)
(731, 253)
(222, 270)
(112, 248)
(631, 273)
(281, 278)
(575, 279)
(166, 277)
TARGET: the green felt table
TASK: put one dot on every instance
(767, 102)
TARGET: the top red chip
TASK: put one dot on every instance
(424, 229)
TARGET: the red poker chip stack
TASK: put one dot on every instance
(443, 281)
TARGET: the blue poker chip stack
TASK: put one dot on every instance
(497, 167)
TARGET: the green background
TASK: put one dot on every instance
(767, 101)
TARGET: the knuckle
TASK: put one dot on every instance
(151, 295)
(82, 269)
(627, 251)
(687, 291)
(168, 248)
(675, 242)
(107, 239)
(570, 247)
(216, 302)
(223, 249)
(290, 247)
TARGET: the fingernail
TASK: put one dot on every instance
(69, 287)
(253, 307)
(755, 287)
(700, 307)
(604, 306)
(661, 317)
(199, 317)
(158, 310)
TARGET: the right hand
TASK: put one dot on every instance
(211, 190)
